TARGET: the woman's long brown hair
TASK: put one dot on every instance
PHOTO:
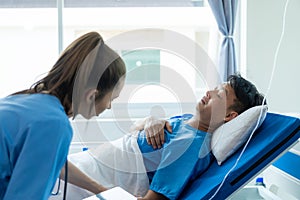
(60, 79)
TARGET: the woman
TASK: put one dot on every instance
(34, 123)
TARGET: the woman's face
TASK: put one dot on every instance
(90, 107)
(105, 102)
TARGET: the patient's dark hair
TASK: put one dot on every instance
(246, 93)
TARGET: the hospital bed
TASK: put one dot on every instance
(275, 136)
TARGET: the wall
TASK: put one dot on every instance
(264, 25)
(264, 28)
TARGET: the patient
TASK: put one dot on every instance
(162, 173)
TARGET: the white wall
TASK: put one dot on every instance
(264, 25)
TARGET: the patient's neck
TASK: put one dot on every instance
(203, 124)
(197, 124)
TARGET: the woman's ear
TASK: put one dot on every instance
(231, 115)
(90, 95)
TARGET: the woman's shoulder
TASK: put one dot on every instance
(34, 107)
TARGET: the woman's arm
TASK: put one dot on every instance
(151, 195)
(80, 179)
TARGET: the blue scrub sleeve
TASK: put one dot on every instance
(43, 152)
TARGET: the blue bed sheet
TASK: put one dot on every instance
(276, 134)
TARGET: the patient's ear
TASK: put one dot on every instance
(231, 115)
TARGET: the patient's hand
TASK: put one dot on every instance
(154, 129)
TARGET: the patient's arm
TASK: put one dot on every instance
(154, 129)
(80, 179)
(151, 195)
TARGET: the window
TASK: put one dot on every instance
(30, 44)
(160, 81)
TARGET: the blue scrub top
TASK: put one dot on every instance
(35, 134)
(185, 155)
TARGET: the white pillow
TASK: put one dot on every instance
(231, 135)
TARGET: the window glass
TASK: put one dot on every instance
(142, 66)
(29, 46)
(150, 66)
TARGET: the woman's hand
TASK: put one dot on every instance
(154, 129)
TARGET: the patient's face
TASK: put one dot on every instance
(213, 107)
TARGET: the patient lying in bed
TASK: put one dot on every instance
(130, 162)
